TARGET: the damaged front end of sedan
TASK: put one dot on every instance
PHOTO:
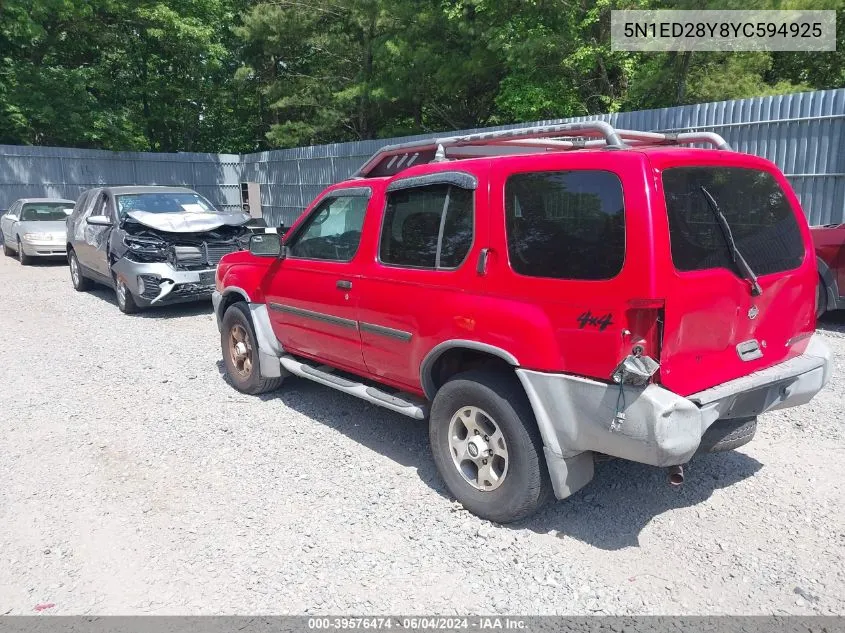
(172, 258)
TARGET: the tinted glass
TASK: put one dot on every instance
(762, 221)
(164, 203)
(565, 224)
(44, 211)
(333, 231)
(411, 232)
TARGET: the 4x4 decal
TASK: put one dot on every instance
(601, 322)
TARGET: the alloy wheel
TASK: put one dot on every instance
(478, 448)
(240, 350)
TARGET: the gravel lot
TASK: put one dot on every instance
(136, 480)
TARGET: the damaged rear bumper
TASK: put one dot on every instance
(661, 428)
(159, 283)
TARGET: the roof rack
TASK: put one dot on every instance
(392, 159)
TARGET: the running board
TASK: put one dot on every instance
(401, 402)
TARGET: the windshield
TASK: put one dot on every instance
(756, 209)
(166, 202)
(44, 212)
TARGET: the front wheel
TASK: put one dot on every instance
(23, 258)
(487, 446)
(125, 299)
(240, 352)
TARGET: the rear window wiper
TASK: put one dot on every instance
(738, 259)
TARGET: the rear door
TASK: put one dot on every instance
(8, 221)
(715, 328)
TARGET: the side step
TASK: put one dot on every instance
(400, 402)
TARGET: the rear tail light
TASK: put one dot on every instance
(644, 331)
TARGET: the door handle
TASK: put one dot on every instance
(483, 256)
(342, 284)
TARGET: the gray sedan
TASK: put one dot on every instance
(36, 227)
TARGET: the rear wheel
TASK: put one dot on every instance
(23, 258)
(726, 435)
(487, 446)
(821, 298)
(79, 281)
(240, 352)
(125, 298)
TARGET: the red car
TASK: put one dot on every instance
(830, 254)
(541, 299)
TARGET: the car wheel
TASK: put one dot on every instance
(487, 446)
(821, 298)
(80, 282)
(23, 258)
(240, 352)
(125, 298)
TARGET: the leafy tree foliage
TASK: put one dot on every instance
(240, 75)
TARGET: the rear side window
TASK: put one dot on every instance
(427, 227)
(760, 217)
(565, 224)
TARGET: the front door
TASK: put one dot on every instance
(91, 250)
(313, 297)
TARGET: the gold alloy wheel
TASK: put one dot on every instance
(240, 350)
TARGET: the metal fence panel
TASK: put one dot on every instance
(804, 134)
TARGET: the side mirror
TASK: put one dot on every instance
(266, 245)
(99, 220)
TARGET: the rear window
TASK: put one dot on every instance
(761, 219)
(565, 224)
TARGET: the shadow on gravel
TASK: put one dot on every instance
(609, 513)
(624, 497)
(393, 435)
(175, 311)
(832, 321)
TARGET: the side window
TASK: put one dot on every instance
(79, 207)
(427, 227)
(565, 224)
(333, 231)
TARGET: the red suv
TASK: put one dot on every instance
(541, 296)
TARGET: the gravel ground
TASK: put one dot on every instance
(135, 480)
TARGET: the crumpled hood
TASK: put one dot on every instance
(188, 222)
(42, 226)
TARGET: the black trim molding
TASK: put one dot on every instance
(389, 332)
(317, 316)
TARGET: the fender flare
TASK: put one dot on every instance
(437, 351)
(830, 285)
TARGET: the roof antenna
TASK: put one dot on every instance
(439, 155)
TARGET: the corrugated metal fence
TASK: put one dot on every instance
(62, 172)
(803, 133)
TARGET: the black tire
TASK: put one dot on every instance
(80, 282)
(124, 297)
(726, 435)
(526, 485)
(23, 258)
(244, 379)
(821, 298)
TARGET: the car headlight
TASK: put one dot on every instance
(37, 237)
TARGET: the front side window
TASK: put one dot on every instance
(427, 227)
(760, 217)
(332, 231)
(44, 212)
(565, 224)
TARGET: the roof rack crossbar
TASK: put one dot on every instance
(543, 135)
